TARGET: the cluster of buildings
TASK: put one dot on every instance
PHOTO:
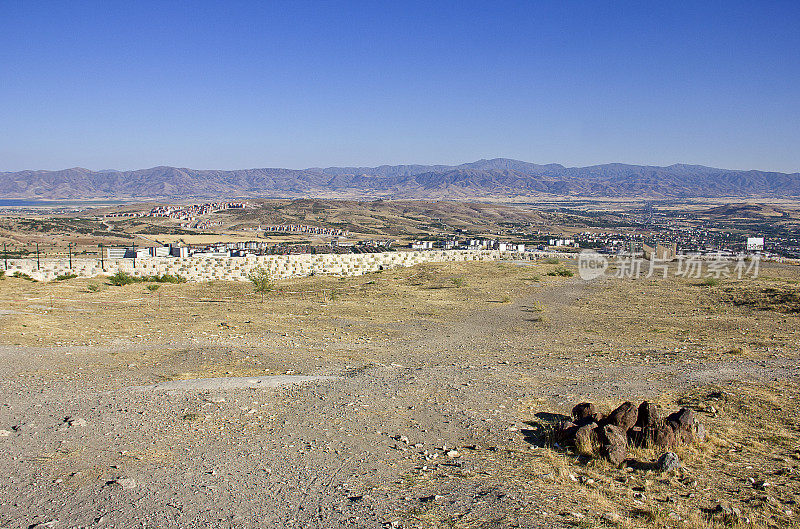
(687, 241)
(141, 253)
(186, 213)
(609, 243)
(201, 225)
(468, 244)
(241, 249)
(190, 215)
(300, 228)
(563, 243)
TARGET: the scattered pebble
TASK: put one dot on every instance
(125, 483)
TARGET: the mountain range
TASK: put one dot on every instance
(499, 178)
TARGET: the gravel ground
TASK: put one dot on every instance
(423, 427)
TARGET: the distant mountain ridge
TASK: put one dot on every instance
(496, 178)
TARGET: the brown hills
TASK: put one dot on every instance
(497, 179)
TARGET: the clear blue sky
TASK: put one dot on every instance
(269, 84)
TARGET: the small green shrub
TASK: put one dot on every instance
(2, 274)
(262, 281)
(152, 287)
(561, 272)
(551, 260)
(93, 287)
(22, 275)
(122, 278)
(506, 299)
(457, 281)
(165, 278)
(710, 282)
(64, 277)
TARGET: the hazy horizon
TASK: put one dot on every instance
(110, 169)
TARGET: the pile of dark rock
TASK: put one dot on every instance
(592, 433)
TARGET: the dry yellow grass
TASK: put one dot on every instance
(221, 329)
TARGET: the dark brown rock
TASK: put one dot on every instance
(613, 435)
(682, 436)
(683, 424)
(684, 418)
(648, 415)
(659, 436)
(624, 417)
(616, 454)
(564, 433)
(583, 411)
(662, 436)
(636, 436)
(586, 439)
(647, 437)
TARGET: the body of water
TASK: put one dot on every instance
(26, 203)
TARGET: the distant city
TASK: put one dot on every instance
(649, 227)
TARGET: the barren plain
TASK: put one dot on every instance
(416, 397)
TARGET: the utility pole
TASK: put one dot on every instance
(69, 249)
(38, 265)
(134, 255)
(5, 255)
(102, 265)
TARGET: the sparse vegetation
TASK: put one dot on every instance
(458, 282)
(22, 275)
(561, 272)
(93, 287)
(64, 277)
(152, 287)
(123, 278)
(551, 261)
(710, 282)
(781, 298)
(368, 331)
(164, 278)
(262, 281)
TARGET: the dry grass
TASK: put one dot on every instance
(754, 428)
(44, 313)
(755, 433)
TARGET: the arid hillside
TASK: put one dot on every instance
(182, 405)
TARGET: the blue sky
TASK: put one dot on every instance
(298, 84)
